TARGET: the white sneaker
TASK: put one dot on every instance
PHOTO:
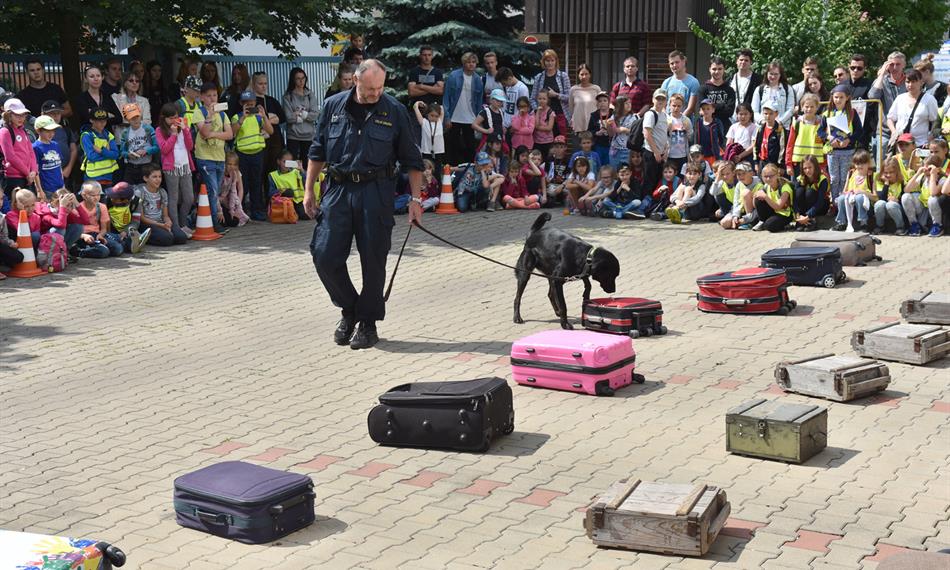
(758, 227)
(139, 239)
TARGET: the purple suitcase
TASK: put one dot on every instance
(244, 502)
(577, 361)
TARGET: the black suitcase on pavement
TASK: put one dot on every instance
(632, 316)
(463, 415)
(819, 266)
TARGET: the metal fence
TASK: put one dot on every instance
(320, 70)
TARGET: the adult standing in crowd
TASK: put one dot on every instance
(353, 56)
(39, 90)
(490, 61)
(636, 90)
(112, 82)
(137, 68)
(342, 82)
(360, 136)
(209, 74)
(776, 91)
(190, 67)
(240, 82)
(275, 116)
(809, 68)
(860, 87)
(888, 85)
(515, 89)
(557, 84)
(301, 109)
(937, 89)
(426, 83)
(745, 81)
(914, 111)
(681, 82)
(582, 99)
(95, 98)
(154, 90)
(717, 90)
(461, 102)
(130, 94)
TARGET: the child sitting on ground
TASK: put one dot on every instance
(889, 187)
(580, 181)
(534, 177)
(9, 254)
(587, 151)
(95, 241)
(920, 194)
(154, 205)
(474, 184)
(696, 157)
(660, 197)
(741, 215)
(686, 202)
(723, 189)
(431, 186)
(123, 224)
(63, 216)
(773, 203)
(620, 200)
(287, 182)
(514, 191)
(232, 192)
(24, 199)
(591, 204)
(557, 170)
(856, 197)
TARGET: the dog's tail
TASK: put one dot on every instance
(539, 223)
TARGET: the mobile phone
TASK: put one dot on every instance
(291, 164)
(922, 152)
(218, 107)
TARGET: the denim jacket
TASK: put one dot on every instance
(453, 90)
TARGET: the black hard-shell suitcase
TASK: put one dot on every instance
(633, 316)
(464, 415)
(807, 265)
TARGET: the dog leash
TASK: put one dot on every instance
(396, 268)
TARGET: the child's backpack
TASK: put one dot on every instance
(51, 254)
(281, 210)
(635, 138)
(733, 150)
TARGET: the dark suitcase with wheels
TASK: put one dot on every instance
(631, 316)
(244, 502)
(820, 266)
(747, 291)
(464, 415)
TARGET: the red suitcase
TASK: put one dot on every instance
(633, 316)
(752, 290)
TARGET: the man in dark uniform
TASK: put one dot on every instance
(361, 133)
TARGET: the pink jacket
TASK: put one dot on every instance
(13, 222)
(167, 146)
(18, 157)
(61, 218)
(522, 130)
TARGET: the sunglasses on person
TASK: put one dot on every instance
(856, 68)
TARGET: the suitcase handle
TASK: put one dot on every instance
(735, 302)
(213, 518)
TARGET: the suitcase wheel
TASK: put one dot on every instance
(648, 332)
(634, 333)
(111, 553)
(639, 378)
(508, 429)
(784, 310)
(843, 277)
(829, 282)
(603, 388)
(661, 329)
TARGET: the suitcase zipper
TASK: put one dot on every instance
(233, 501)
(574, 367)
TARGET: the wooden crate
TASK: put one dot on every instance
(773, 430)
(927, 307)
(913, 344)
(839, 378)
(668, 518)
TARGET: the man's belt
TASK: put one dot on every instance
(387, 172)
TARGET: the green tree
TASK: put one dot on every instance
(791, 30)
(71, 27)
(396, 28)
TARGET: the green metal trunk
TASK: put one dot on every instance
(773, 430)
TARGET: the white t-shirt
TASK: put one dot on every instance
(742, 135)
(181, 154)
(512, 94)
(433, 140)
(462, 113)
(660, 125)
(924, 116)
(740, 85)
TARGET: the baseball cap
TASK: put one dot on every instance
(131, 110)
(498, 95)
(193, 82)
(45, 122)
(906, 138)
(99, 114)
(482, 159)
(52, 106)
(770, 105)
(119, 191)
(560, 139)
(248, 96)
(706, 101)
(660, 94)
(696, 149)
(15, 106)
(743, 167)
(602, 94)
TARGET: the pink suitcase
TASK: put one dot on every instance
(577, 361)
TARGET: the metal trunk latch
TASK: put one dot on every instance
(761, 427)
(917, 345)
(860, 337)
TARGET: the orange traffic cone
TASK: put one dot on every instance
(204, 227)
(446, 200)
(24, 243)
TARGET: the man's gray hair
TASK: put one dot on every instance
(369, 64)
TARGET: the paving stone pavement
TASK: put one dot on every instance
(119, 375)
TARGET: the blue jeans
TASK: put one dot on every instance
(99, 250)
(466, 201)
(616, 209)
(70, 235)
(212, 173)
(252, 172)
(861, 205)
(643, 206)
(125, 243)
(618, 156)
(603, 153)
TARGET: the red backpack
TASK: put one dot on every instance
(51, 254)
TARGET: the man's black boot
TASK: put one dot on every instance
(365, 336)
(344, 330)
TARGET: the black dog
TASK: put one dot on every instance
(558, 255)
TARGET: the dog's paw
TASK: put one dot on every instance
(567, 326)
(518, 321)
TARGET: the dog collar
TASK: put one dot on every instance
(588, 264)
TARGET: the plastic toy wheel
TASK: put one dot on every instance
(783, 310)
(829, 282)
(661, 329)
(634, 333)
(647, 332)
(638, 378)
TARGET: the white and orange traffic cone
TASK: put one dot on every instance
(204, 227)
(24, 243)
(447, 199)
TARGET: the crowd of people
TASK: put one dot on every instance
(119, 167)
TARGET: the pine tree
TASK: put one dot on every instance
(396, 28)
